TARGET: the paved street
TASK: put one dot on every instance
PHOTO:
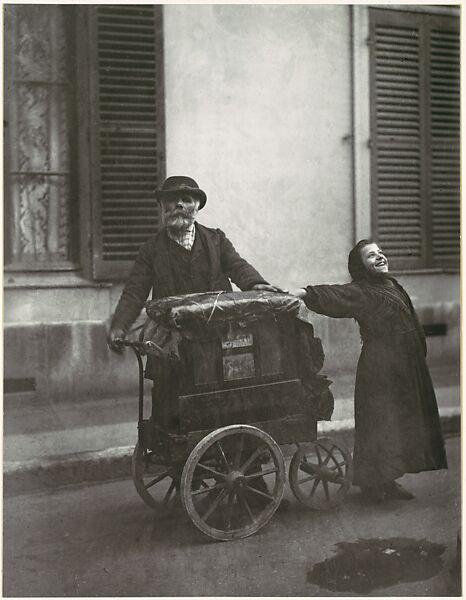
(102, 540)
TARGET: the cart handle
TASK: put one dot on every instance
(139, 349)
(136, 346)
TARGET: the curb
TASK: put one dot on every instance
(115, 463)
(57, 471)
(450, 420)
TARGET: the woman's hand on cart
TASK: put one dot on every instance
(298, 292)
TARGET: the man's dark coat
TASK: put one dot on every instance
(152, 271)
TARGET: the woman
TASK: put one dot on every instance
(397, 425)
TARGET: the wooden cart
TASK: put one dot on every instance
(236, 376)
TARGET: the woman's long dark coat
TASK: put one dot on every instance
(397, 425)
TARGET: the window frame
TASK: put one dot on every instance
(84, 191)
(24, 266)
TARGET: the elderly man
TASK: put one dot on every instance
(184, 257)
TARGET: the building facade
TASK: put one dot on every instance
(308, 126)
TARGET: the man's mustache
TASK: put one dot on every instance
(180, 213)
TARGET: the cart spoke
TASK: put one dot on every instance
(314, 487)
(338, 466)
(256, 491)
(327, 493)
(207, 489)
(203, 481)
(214, 505)
(314, 467)
(157, 479)
(306, 479)
(246, 505)
(213, 471)
(237, 459)
(252, 458)
(261, 473)
(319, 457)
(329, 456)
(231, 498)
(168, 493)
(227, 464)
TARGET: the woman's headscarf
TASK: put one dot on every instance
(356, 267)
(360, 274)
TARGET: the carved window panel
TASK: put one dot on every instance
(39, 96)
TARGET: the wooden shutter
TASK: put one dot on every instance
(445, 140)
(127, 159)
(415, 124)
(396, 135)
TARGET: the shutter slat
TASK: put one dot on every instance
(397, 87)
(126, 11)
(397, 35)
(140, 224)
(126, 37)
(400, 103)
(395, 73)
(398, 167)
(120, 196)
(147, 210)
(112, 27)
(135, 45)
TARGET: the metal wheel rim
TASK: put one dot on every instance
(166, 502)
(332, 470)
(256, 521)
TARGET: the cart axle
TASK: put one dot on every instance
(235, 479)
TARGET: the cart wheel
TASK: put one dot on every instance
(327, 469)
(157, 484)
(233, 482)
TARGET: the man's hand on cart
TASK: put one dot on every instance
(115, 339)
(266, 287)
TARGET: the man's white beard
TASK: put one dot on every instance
(178, 223)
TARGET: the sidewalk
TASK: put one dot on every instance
(51, 444)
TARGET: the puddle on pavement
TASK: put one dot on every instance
(366, 565)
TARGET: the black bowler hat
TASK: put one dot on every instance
(174, 186)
